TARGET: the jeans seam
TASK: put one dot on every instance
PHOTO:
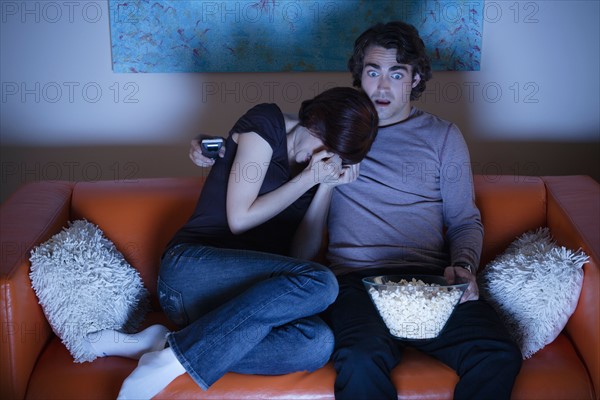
(211, 344)
(186, 364)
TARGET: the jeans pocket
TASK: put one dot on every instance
(171, 302)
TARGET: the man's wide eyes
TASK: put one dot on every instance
(375, 74)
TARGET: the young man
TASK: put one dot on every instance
(411, 210)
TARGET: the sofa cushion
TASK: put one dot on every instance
(534, 285)
(84, 285)
(554, 373)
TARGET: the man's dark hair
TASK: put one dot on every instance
(345, 120)
(394, 35)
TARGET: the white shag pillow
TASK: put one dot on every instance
(534, 286)
(84, 285)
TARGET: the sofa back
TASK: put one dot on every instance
(510, 206)
(141, 216)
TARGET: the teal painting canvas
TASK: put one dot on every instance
(280, 35)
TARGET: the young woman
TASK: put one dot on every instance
(227, 278)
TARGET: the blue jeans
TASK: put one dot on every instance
(245, 311)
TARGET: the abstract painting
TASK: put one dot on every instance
(281, 35)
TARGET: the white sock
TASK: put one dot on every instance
(114, 343)
(154, 372)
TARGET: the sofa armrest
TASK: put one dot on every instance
(29, 217)
(573, 216)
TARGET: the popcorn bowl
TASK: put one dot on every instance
(414, 306)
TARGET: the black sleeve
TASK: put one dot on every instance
(264, 119)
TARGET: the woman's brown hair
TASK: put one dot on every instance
(345, 120)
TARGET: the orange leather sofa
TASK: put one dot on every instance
(140, 217)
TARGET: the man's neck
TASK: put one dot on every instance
(397, 119)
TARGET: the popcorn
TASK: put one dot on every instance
(415, 309)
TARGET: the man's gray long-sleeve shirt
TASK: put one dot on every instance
(413, 203)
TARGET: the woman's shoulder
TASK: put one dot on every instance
(265, 119)
(268, 110)
(264, 114)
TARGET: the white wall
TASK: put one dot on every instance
(534, 108)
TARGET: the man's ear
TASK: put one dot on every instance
(416, 79)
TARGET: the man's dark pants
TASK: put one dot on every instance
(474, 343)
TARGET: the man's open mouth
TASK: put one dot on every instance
(382, 102)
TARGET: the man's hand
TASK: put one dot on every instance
(456, 275)
(200, 159)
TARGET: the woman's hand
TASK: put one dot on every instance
(326, 167)
(349, 173)
(200, 159)
(328, 170)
